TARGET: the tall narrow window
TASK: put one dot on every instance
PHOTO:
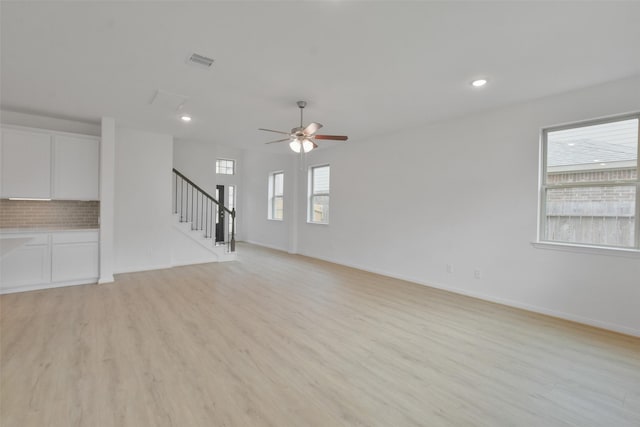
(225, 166)
(276, 196)
(231, 204)
(318, 210)
(590, 185)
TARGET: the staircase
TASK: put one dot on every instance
(202, 220)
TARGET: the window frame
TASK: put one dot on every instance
(231, 204)
(272, 196)
(233, 166)
(543, 186)
(311, 194)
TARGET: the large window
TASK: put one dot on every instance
(318, 211)
(590, 185)
(225, 166)
(276, 196)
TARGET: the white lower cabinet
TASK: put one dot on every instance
(48, 259)
(74, 256)
(27, 264)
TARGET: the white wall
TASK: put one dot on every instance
(259, 229)
(142, 214)
(465, 192)
(197, 161)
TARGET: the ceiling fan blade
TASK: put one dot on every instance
(276, 131)
(312, 128)
(333, 137)
(280, 140)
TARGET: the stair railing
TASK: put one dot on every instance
(198, 207)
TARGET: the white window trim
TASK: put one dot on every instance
(310, 193)
(232, 205)
(542, 187)
(587, 249)
(271, 194)
(235, 164)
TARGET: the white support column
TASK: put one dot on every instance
(107, 181)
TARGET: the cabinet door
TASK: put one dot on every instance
(75, 168)
(74, 261)
(27, 265)
(74, 256)
(26, 164)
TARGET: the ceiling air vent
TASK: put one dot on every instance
(201, 61)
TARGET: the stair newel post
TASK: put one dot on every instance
(211, 230)
(233, 230)
(175, 193)
(181, 196)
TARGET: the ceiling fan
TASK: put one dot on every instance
(301, 138)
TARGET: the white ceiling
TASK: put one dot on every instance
(365, 68)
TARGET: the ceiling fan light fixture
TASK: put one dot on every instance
(303, 139)
(307, 145)
(295, 145)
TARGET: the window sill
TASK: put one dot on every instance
(318, 223)
(584, 249)
(275, 219)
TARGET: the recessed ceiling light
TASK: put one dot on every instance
(185, 118)
(597, 161)
(571, 144)
(479, 83)
(603, 164)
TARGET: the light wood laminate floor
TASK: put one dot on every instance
(281, 340)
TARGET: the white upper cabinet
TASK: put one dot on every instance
(76, 162)
(49, 165)
(26, 164)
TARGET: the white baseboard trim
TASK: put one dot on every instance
(144, 268)
(48, 286)
(264, 245)
(503, 301)
(106, 279)
(193, 262)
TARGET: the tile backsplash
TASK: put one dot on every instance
(53, 213)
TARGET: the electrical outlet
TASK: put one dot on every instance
(449, 268)
(477, 274)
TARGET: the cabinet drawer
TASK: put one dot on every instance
(38, 239)
(33, 239)
(75, 237)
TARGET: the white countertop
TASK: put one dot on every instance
(44, 230)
